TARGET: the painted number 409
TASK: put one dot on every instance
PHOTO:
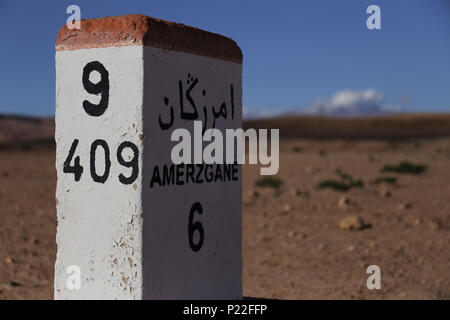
(96, 110)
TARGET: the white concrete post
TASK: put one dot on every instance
(131, 224)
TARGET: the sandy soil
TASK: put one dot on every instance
(293, 245)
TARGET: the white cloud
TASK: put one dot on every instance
(345, 103)
(353, 103)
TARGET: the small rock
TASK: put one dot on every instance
(9, 260)
(34, 241)
(434, 224)
(384, 192)
(287, 208)
(343, 202)
(262, 225)
(311, 169)
(253, 193)
(404, 206)
(296, 192)
(352, 223)
(351, 248)
(292, 234)
(321, 246)
(248, 203)
(265, 238)
(417, 222)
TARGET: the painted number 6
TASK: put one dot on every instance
(195, 226)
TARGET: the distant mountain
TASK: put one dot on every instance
(23, 130)
(18, 128)
(397, 126)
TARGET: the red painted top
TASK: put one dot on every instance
(140, 30)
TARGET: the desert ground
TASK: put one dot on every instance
(300, 241)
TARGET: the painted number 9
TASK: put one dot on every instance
(99, 88)
(132, 163)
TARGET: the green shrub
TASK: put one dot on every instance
(345, 184)
(272, 182)
(389, 180)
(322, 152)
(405, 167)
(333, 184)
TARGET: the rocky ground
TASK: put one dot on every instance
(299, 241)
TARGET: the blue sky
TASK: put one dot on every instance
(298, 55)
